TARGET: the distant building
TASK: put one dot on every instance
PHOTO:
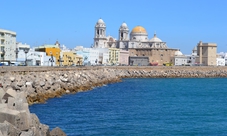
(124, 57)
(114, 56)
(7, 45)
(138, 43)
(180, 59)
(71, 58)
(207, 54)
(53, 51)
(90, 56)
(220, 61)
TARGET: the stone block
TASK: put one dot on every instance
(34, 121)
(42, 83)
(57, 132)
(44, 130)
(30, 90)
(24, 123)
(12, 79)
(11, 92)
(12, 130)
(11, 103)
(21, 96)
(4, 129)
(12, 116)
(3, 105)
(29, 133)
(28, 83)
(2, 93)
(1, 133)
(20, 83)
(14, 86)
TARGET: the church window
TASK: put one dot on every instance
(121, 35)
(134, 37)
(97, 31)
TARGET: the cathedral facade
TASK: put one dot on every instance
(136, 42)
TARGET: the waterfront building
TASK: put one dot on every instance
(90, 56)
(207, 54)
(124, 57)
(23, 50)
(53, 51)
(103, 57)
(70, 58)
(224, 56)
(220, 61)
(180, 59)
(7, 46)
(136, 42)
(114, 56)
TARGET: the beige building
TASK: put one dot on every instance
(207, 53)
(136, 42)
(71, 58)
(114, 55)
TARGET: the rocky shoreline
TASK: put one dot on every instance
(21, 88)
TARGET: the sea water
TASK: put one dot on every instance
(142, 106)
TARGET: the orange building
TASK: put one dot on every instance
(51, 50)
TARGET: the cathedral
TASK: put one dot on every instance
(141, 48)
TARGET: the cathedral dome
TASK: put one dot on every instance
(178, 53)
(100, 21)
(124, 25)
(155, 39)
(139, 29)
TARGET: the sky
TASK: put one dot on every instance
(179, 23)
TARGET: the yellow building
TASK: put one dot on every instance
(114, 55)
(71, 58)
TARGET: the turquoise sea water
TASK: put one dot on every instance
(141, 107)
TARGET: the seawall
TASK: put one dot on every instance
(22, 86)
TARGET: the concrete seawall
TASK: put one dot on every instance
(29, 85)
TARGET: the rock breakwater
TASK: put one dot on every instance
(20, 88)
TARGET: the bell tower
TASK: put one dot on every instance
(100, 34)
(123, 38)
(123, 32)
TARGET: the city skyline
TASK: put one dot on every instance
(182, 24)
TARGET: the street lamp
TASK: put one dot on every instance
(69, 60)
(3, 54)
(16, 51)
(26, 51)
(51, 59)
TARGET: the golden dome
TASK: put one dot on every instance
(139, 29)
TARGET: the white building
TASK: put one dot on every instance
(180, 59)
(7, 45)
(89, 55)
(220, 61)
(30, 57)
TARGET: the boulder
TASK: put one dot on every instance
(42, 83)
(57, 132)
(12, 79)
(8, 129)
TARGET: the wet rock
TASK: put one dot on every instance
(57, 132)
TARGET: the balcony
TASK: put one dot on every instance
(2, 37)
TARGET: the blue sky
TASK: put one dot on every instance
(180, 23)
